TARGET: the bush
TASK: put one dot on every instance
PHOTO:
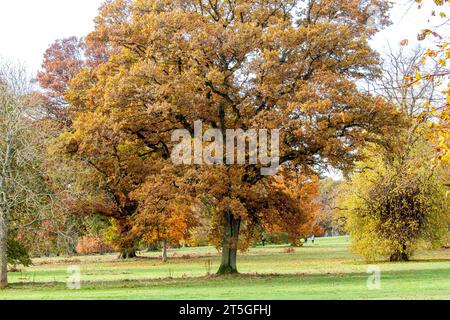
(93, 245)
(276, 238)
(17, 254)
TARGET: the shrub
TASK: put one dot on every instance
(17, 254)
(276, 238)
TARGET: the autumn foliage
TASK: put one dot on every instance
(162, 65)
(92, 245)
(395, 208)
(293, 208)
(87, 161)
(438, 52)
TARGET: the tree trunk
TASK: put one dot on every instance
(230, 245)
(127, 254)
(400, 256)
(125, 242)
(164, 251)
(3, 252)
(71, 247)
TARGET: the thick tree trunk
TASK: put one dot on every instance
(3, 252)
(230, 245)
(400, 256)
(164, 251)
(125, 241)
(127, 254)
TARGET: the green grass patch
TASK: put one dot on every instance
(326, 270)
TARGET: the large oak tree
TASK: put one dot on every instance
(239, 64)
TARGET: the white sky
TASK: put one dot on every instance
(28, 27)
(407, 22)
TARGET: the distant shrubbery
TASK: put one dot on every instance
(17, 254)
(93, 245)
(275, 238)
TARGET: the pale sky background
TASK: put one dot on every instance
(28, 27)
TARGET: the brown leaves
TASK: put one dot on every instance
(232, 65)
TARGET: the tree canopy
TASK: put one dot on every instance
(288, 65)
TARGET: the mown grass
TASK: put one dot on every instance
(326, 270)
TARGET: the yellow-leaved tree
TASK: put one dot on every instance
(394, 207)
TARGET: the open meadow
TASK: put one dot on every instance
(326, 270)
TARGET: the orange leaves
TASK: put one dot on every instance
(166, 211)
(234, 65)
(441, 55)
(427, 32)
(235, 206)
(431, 53)
(92, 245)
(292, 205)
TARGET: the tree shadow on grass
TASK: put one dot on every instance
(238, 280)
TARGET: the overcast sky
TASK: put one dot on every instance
(28, 27)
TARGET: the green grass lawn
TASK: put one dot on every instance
(326, 270)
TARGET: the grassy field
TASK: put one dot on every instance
(326, 270)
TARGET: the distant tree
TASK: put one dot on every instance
(17, 254)
(396, 200)
(68, 180)
(88, 185)
(394, 84)
(64, 59)
(166, 212)
(295, 209)
(329, 192)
